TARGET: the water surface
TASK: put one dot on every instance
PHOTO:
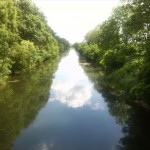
(75, 117)
(68, 109)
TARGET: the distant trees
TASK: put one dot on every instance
(26, 40)
(62, 42)
(122, 48)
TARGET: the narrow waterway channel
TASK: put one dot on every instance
(68, 115)
(75, 117)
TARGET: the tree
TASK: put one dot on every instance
(26, 40)
(123, 51)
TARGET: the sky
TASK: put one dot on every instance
(73, 19)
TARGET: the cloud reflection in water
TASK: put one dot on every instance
(71, 86)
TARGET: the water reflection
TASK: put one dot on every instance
(72, 87)
(75, 118)
(20, 102)
(133, 118)
(74, 115)
(136, 130)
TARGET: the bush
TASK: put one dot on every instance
(24, 56)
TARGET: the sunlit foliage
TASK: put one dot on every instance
(26, 40)
(122, 48)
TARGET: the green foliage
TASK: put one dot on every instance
(92, 52)
(24, 56)
(108, 34)
(121, 48)
(26, 40)
(5, 61)
(111, 61)
(63, 43)
(92, 36)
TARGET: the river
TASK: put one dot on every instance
(64, 107)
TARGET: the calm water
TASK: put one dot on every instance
(67, 109)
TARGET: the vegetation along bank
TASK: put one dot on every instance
(26, 40)
(120, 46)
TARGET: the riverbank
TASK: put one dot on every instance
(26, 39)
(120, 47)
(95, 73)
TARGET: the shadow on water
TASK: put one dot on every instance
(21, 101)
(135, 120)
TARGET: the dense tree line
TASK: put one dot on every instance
(120, 46)
(26, 40)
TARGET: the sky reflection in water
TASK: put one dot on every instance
(76, 116)
(72, 87)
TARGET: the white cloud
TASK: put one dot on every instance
(44, 146)
(72, 95)
(97, 106)
(72, 87)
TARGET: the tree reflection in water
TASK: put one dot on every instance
(134, 119)
(21, 101)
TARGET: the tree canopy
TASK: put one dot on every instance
(26, 40)
(120, 46)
